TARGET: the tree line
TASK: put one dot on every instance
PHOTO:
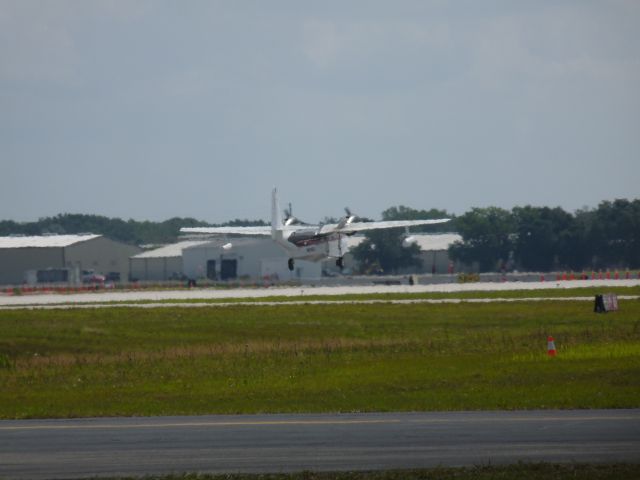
(524, 238)
(545, 239)
(130, 231)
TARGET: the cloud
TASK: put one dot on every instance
(565, 43)
(400, 93)
(339, 43)
(34, 45)
(41, 42)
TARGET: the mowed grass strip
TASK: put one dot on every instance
(317, 358)
(562, 290)
(522, 471)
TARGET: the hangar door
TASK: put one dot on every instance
(228, 269)
(211, 269)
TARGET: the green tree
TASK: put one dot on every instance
(407, 213)
(487, 238)
(131, 231)
(242, 223)
(382, 250)
(615, 233)
(577, 247)
(541, 233)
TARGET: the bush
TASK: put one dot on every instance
(468, 277)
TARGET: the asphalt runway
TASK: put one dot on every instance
(205, 304)
(294, 292)
(83, 448)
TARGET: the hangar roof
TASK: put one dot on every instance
(173, 250)
(45, 241)
(436, 241)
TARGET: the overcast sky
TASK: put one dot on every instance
(155, 109)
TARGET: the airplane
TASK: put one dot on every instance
(303, 241)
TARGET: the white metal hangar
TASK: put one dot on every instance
(244, 258)
(71, 253)
(434, 252)
(164, 263)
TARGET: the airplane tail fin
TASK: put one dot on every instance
(276, 219)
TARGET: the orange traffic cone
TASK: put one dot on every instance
(551, 347)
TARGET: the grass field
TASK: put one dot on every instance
(543, 471)
(317, 358)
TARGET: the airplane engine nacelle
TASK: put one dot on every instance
(408, 241)
(345, 221)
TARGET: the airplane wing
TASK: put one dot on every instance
(262, 230)
(363, 226)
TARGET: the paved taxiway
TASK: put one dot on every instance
(139, 446)
(273, 443)
(204, 304)
(295, 292)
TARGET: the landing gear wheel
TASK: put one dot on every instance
(340, 263)
(291, 264)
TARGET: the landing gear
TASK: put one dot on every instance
(340, 263)
(291, 264)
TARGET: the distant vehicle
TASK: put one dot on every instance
(178, 276)
(90, 276)
(112, 277)
(309, 242)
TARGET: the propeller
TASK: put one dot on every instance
(347, 219)
(289, 219)
(408, 239)
(351, 216)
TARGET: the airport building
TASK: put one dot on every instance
(250, 258)
(164, 263)
(434, 253)
(244, 258)
(62, 258)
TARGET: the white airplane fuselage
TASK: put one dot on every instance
(308, 242)
(310, 245)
